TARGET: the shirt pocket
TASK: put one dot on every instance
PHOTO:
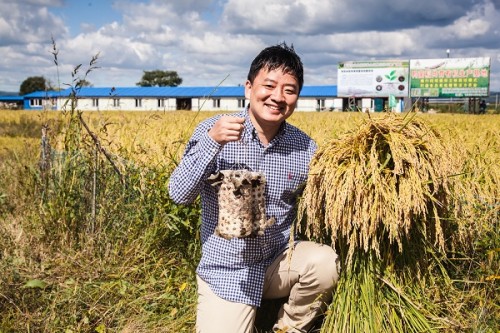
(286, 186)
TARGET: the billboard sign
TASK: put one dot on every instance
(378, 78)
(450, 77)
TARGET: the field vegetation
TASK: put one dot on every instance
(91, 242)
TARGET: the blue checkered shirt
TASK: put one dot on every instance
(235, 268)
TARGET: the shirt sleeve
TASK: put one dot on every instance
(197, 163)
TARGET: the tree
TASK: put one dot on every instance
(34, 83)
(160, 78)
(83, 83)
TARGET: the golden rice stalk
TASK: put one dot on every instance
(373, 185)
(479, 187)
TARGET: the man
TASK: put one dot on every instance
(482, 107)
(235, 275)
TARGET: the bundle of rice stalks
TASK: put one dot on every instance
(382, 196)
(373, 186)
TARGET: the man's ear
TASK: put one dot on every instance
(248, 89)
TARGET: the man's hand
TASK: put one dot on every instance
(227, 129)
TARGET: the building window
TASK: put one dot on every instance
(320, 104)
(138, 102)
(116, 102)
(241, 103)
(216, 102)
(95, 102)
(161, 103)
(36, 102)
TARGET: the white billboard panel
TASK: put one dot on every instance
(378, 78)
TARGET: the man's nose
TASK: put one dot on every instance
(278, 95)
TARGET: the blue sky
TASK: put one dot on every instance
(210, 42)
(79, 13)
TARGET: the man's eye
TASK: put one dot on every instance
(290, 91)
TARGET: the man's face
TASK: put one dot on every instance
(273, 96)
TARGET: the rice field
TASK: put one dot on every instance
(134, 130)
(91, 242)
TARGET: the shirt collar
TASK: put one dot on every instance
(252, 133)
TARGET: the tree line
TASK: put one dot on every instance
(154, 78)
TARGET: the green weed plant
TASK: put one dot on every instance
(91, 241)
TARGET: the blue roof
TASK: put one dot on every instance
(175, 92)
(319, 91)
(45, 94)
(179, 92)
(238, 91)
(11, 98)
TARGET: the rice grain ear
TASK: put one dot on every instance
(374, 186)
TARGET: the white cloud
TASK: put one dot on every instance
(320, 16)
(184, 5)
(476, 23)
(48, 3)
(204, 41)
(470, 28)
(113, 51)
(33, 24)
(370, 43)
(472, 35)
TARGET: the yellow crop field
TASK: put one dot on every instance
(151, 134)
(91, 242)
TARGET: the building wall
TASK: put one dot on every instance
(204, 104)
(337, 105)
(317, 103)
(40, 104)
(170, 104)
(121, 103)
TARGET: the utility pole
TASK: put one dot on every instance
(448, 56)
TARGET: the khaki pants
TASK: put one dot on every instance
(307, 279)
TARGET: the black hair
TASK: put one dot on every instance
(278, 56)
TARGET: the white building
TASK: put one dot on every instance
(312, 98)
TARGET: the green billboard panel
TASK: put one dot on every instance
(450, 77)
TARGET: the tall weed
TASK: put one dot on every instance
(99, 244)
